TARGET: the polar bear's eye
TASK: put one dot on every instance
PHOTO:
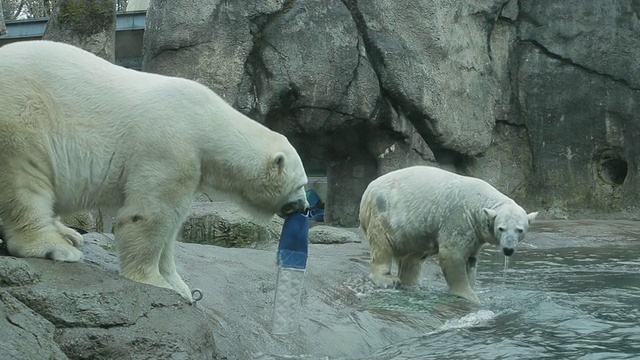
(501, 229)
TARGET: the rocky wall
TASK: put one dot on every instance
(536, 97)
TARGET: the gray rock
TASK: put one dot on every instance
(101, 251)
(3, 27)
(88, 24)
(351, 99)
(322, 234)
(417, 48)
(319, 88)
(224, 224)
(507, 164)
(25, 334)
(580, 101)
(16, 272)
(83, 220)
(85, 312)
(207, 41)
(591, 35)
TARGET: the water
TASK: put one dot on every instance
(567, 303)
(571, 292)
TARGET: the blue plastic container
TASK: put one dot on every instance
(292, 264)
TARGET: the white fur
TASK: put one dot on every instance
(77, 132)
(412, 213)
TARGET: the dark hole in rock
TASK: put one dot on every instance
(612, 167)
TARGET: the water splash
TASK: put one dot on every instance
(359, 285)
(470, 320)
(505, 268)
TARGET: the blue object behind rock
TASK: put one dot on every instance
(313, 198)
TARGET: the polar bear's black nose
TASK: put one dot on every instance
(298, 206)
(508, 251)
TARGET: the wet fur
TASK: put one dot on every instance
(413, 213)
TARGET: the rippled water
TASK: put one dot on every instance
(562, 303)
(568, 303)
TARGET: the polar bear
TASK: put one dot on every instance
(415, 212)
(77, 132)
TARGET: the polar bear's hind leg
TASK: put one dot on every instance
(381, 258)
(409, 270)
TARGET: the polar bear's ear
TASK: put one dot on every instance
(277, 163)
(532, 216)
(490, 213)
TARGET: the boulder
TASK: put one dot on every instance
(222, 223)
(58, 310)
(433, 63)
(83, 220)
(322, 234)
(25, 334)
(3, 27)
(206, 41)
(88, 24)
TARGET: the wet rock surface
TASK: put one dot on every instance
(87, 310)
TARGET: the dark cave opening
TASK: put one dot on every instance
(612, 167)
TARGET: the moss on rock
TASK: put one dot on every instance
(87, 16)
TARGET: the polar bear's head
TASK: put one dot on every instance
(275, 184)
(509, 224)
(287, 170)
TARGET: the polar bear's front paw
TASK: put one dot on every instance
(180, 286)
(67, 254)
(187, 295)
(72, 236)
(159, 281)
(50, 246)
(466, 294)
(385, 280)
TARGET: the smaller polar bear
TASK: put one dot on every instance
(412, 213)
(77, 133)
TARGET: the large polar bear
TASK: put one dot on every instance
(412, 213)
(77, 132)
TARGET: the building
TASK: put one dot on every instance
(129, 34)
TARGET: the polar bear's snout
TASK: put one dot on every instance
(297, 206)
(508, 243)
